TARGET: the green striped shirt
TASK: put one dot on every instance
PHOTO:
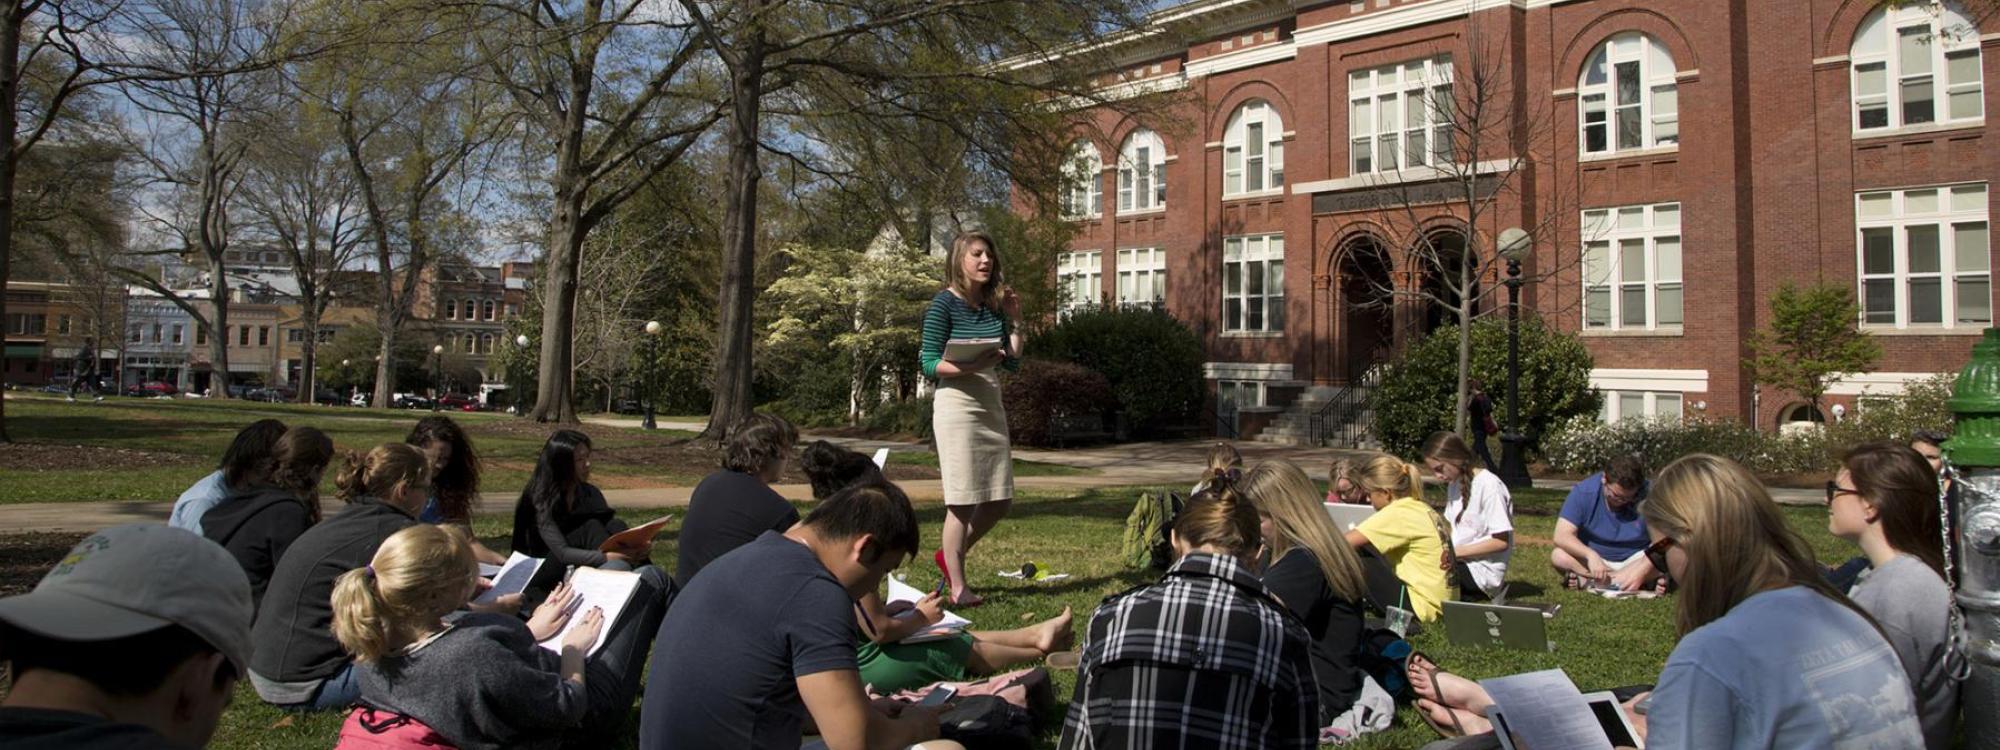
(950, 318)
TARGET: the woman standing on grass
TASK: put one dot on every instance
(968, 419)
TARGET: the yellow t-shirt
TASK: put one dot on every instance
(1405, 534)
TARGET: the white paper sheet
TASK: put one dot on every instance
(488, 570)
(609, 590)
(944, 628)
(882, 458)
(511, 578)
(1545, 710)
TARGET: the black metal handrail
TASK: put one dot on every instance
(1224, 428)
(1338, 420)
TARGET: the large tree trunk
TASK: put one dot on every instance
(555, 389)
(10, 94)
(733, 366)
(218, 367)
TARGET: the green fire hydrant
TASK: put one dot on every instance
(1974, 451)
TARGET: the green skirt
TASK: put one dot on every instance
(904, 666)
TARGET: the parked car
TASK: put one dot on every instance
(151, 389)
(460, 402)
(277, 394)
(329, 397)
(411, 401)
(360, 399)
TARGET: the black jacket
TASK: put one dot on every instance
(292, 640)
(256, 525)
(567, 535)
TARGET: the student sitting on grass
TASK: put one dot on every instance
(454, 478)
(259, 522)
(1205, 658)
(1481, 512)
(1407, 533)
(133, 641)
(1769, 654)
(1602, 531)
(1223, 459)
(563, 518)
(481, 681)
(245, 464)
(1341, 486)
(297, 663)
(887, 664)
(1320, 579)
(1885, 499)
(764, 637)
(729, 508)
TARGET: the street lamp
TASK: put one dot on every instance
(653, 329)
(520, 345)
(1515, 246)
(345, 372)
(437, 375)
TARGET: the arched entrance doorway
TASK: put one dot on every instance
(1439, 256)
(1367, 309)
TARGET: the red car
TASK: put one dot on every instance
(460, 402)
(152, 388)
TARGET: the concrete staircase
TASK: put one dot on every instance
(1294, 425)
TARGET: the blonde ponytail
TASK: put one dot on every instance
(1389, 474)
(418, 575)
(1415, 479)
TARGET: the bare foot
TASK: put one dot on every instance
(1447, 689)
(1054, 634)
(966, 599)
(1450, 719)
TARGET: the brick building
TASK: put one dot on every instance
(1674, 162)
(467, 308)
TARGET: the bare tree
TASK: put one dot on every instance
(610, 95)
(301, 197)
(211, 61)
(1451, 170)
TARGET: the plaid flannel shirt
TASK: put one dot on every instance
(1206, 658)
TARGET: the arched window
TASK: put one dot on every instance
(1905, 57)
(486, 310)
(486, 343)
(1083, 181)
(470, 309)
(1253, 150)
(1627, 97)
(451, 309)
(1142, 172)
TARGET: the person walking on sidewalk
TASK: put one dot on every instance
(1479, 408)
(85, 371)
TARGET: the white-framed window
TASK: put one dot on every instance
(1142, 276)
(1908, 56)
(1083, 181)
(1142, 172)
(486, 310)
(1253, 283)
(179, 333)
(1080, 278)
(451, 309)
(157, 329)
(1253, 150)
(1627, 98)
(470, 309)
(1632, 267)
(1641, 405)
(1925, 258)
(1400, 116)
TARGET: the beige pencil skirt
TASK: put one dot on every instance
(969, 422)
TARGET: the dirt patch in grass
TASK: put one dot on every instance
(24, 558)
(701, 457)
(44, 457)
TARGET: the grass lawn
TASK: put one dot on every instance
(152, 449)
(1601, 643)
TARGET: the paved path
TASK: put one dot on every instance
(1155, 463)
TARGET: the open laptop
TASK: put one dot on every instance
(1495, 625)
(1346, 516)
(1604, 707)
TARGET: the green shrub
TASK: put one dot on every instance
(908, 417)
(1921, 406)
(1417, 394)
(1046, 396)
(1151, 360)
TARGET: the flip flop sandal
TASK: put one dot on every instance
(1430, 673)
(1573, 582)
(1065, 660)
(1456, 731)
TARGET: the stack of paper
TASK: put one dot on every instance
(1545, 710)
(947, 627)
(510, 578)
(609, 590)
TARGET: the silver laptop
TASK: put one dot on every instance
(1346, 516)
(1472, 624)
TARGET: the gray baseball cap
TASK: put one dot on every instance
(127, 580)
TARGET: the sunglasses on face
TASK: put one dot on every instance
(1834, 490)
(1656, 553)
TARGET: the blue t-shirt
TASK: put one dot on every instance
(1785, 668)
(728, 653)
(1616, 535)
(432, 512)
(197, 500)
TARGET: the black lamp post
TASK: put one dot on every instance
(437, 375)
(1514, 247)
(520, 345)
(646, 373)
